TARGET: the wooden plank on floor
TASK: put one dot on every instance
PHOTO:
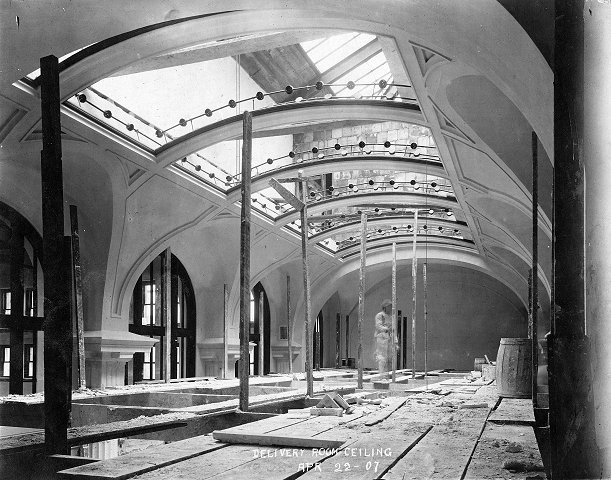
(514, 411)
(204, 466)
(315, 426)
(371, 455)
(136, 463)
(512, 446)
(278, 440)
(445, 451)
(395, 404)
(266, 425)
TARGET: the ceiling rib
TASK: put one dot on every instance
(410, 70)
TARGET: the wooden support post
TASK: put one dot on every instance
(261, 358)
(426, 334)
(306, 288)
(347, 338)
(530, 303)
(225, 330)
(77, 279)
(16, 289)
(58, 322)
(338, 340)
(573, 423)
(166, 314)
(244, 363)
(414, 284)
(317, 335)
(402, 334)
(359, 360)
(393, 336)
(535, 266)
(289, 323)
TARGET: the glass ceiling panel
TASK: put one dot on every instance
(330, 51)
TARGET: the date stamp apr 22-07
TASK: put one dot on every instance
(343, 459)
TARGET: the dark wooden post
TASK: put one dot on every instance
(359, 359)
(225, 328)
(318, 353)
(393, 335)
(244, 363)
(347, 338)
(535, 267)
(289, 323)
(57, 323)
(306, 288)
(77, 279)
(16, 335)
(261, 335)
(572, 431)
(338, 340)
(414, 285)
(166, 313)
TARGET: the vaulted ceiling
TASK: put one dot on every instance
(428, 132)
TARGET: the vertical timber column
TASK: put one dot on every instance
(261, 358)
(338, 339)
(574, 453)
(426, 327)
(393, 336)
(244, 363)
(78, 295)
(225, 328)
(535, 269)
(414, 284)
(359, 327)
(16, 285)
(347, 338)
(57, 322)
(289, 323)
(597, 152)
(166, 313)
(306, 289)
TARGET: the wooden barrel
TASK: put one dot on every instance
(514, 368)
(477, 364)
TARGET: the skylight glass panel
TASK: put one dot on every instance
(362, 70)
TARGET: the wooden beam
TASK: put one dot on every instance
(57, 324)
(261, 358)
(166, 313)
(291, 199)
(414, 284)
(393, 336)
(426, 333)
(338, 340)
(78, 295)
(306, 288)
(16, 289)
(535, 266)
(573, 429)
(289, 323)
(225, 327)
(530, 303)
(317, 331)
(347, 338)
(359, 360)
(244, 362)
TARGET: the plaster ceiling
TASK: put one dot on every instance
(205, 83)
